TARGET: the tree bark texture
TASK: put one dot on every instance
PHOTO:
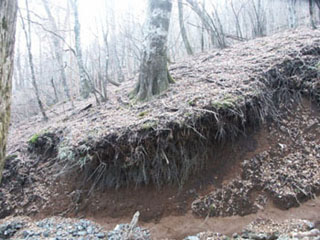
(154, 77)
(8, 13)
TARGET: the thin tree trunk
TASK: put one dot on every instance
(183, 29)
(311, 12)
(106, 65)
(85, 88)
(57, 50)
(204, 19)
(209, 24)
(292, 13)
(20, 80)
(8, 13)
(203, 27)
(237, 20)
(27, 33)
(258, 19)
(55, 91)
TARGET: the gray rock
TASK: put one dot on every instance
(192, 238)
(46, 233)
(90, 229)
(82, 233)
(8, 230)
(100, 235)
(80, 227)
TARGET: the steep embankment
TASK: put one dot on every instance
(239, 129)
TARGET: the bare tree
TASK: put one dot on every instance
(213, 26)
(19, 75)
(85, 87)
(258, 19)
(8, 13)
(236, 14)
(311, 11)
(27, 33)
(154, 76)
(57, 49)
(292, 13)
(183, 29)
(203, 27)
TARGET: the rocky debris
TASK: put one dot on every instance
(266, 229)
(52, 228)
(232, 199)
(72, 229)
(24, 186)
(8, 230)
(288, 172)
(122, 231)
(129, 231)
(207, 236)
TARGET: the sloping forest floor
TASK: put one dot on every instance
(235, 140)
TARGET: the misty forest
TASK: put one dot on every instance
(160, 119)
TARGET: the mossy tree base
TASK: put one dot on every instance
(154, 77)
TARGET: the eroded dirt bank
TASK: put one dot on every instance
(238, 146)
(293, 144)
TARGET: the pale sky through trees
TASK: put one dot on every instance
(92, 11)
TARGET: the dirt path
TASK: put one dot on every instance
(179, 227)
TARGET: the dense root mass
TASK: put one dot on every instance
(288, 173)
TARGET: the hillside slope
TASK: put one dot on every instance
(239, 129)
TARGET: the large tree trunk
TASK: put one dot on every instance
(85, 87)
(154, 77)
(183, 29)
(8, 13)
